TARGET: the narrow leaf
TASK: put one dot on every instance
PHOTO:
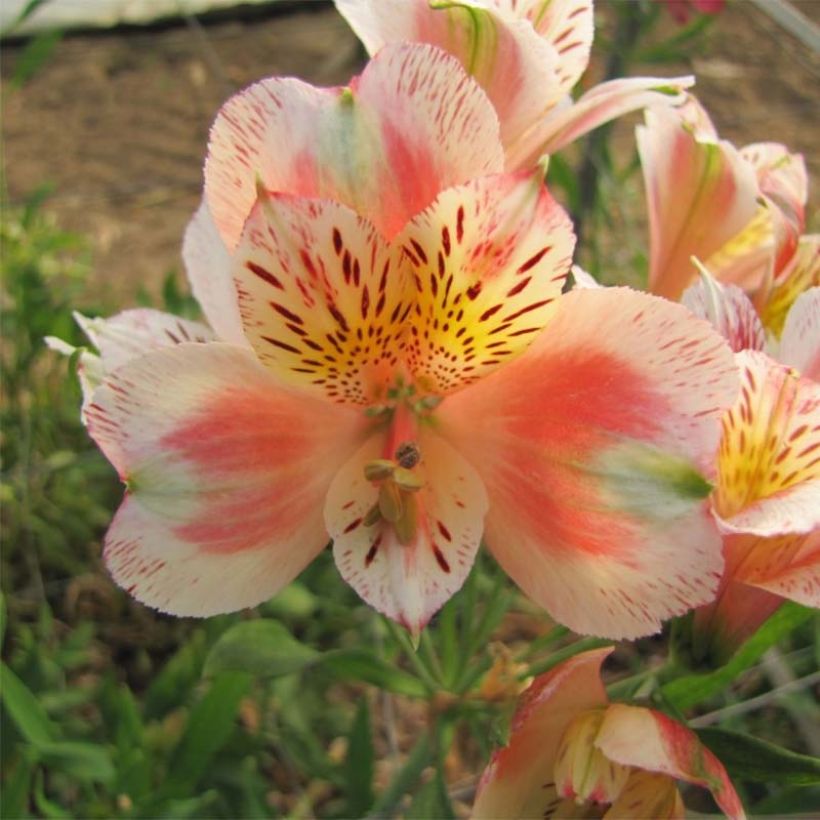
(210, 726)
(264, 648)
(85, 761)
(753, 759)
(24, 709)
(359, 664)
(686, 691)
(358, 767)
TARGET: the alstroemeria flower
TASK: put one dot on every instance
(572, 753)
(767, 499)
(414, 378)
(739, 211)
(526, 54)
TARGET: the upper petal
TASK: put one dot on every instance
(407, 579)
(800, 342)
(646, 739)
(488, 259)
(226, 474)
(589, 445)
(412, 124)
(700, 193)
(516, 67)
(602, 103)
(208, 265)
(323, 297)
(769, 460)
(801, 273)
(518, 782)
(783, 183)
(728, 310)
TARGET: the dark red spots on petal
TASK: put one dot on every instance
(282, 345)
(516, 289)
(365, 301)
(440, 559)
(491, 311)
(444, 531)
(460, 224)
(288, 314)
(473, 291)
(337, 241)
(534, 259)
(445, 240)
(419, 251)
(352, 525)
(264, 274)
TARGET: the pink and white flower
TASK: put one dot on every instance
(767, 497)
(399, 373)
(572, 753)
(741, 212)
(527, 55)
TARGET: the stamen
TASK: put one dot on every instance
(408, 454)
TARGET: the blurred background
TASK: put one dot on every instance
(106, 107)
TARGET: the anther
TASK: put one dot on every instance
(408, 454)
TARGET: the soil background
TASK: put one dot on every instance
(117, 121)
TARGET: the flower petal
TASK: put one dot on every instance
(601, 104)
(568, 25)
(412, 124)
(783, 183)
(800, 342)
(649, 740)
(226, 473)
(208, 265)
(728, 310)
(647, 795)
(786, 565)
(769, 460)
(409, 581)
(516, 67)
(736, 614)
(322, 296)
(700, 193)
(518, 782)
(489, 258)
(802, 273)
(132, 333)
(589, 445)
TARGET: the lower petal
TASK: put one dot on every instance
(649, 740)
(589, 445)
(226, 472)
(407, 581)
(800, 342)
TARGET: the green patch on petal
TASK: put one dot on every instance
(649, 482)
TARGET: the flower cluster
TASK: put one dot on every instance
(394, 362)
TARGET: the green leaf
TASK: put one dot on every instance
(16, 786)
(686, 691)
(264, 648)
(210, 726)
(85, 761)
(176, 680)
(295, 601)
(753, 759)
(46, 807)
(431, 800)
(362, 665)
(35, 55)
(3, 617)
(404, 779)
(24, 708)
(358, 768)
